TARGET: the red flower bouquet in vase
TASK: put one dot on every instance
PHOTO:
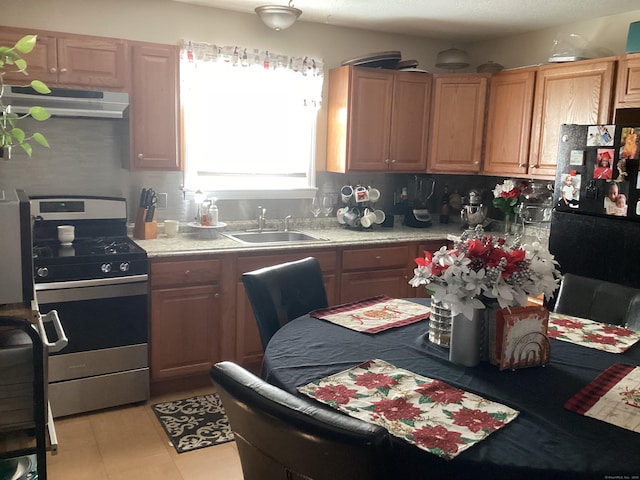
(506, 198)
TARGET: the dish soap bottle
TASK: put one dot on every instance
(213, 212)
(444, 206)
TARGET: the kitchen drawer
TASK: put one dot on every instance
(185, 272)
(327, 260)
(374, 258)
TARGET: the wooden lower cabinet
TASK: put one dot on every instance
(200, 313)
(367, 272)
(185, 326)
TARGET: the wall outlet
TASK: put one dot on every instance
(162, 201)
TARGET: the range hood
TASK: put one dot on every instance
(69, 103)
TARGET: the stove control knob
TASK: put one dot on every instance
(105, 267)
(42, 272)
(124, 267)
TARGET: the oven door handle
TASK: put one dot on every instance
(62, 340)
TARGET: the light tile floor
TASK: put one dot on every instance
(128, 443)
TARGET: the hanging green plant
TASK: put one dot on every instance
(10, 134)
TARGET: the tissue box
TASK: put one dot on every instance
(633, 39)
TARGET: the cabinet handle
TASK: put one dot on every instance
(534, 166)
(522, 165)
(393, 161)
(386, 161)
(476, 162)
(216, 295)
(187, 273)
(63, 70)
(378, 257)
(53, 69)
(140, 156)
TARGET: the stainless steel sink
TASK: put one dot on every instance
(273, 237)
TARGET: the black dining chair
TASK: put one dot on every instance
(599, 300)
(281, 436)
(280, 293)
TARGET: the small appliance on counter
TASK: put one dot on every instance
(473, 212)
(417, 214)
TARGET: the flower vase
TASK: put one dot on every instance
(467, 339)
(508, 223)
(440, 323)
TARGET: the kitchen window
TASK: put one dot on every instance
(249, 121)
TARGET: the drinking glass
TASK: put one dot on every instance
(327, 205)
(316, 207)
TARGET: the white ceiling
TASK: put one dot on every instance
(459, 20)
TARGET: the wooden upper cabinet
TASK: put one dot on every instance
(67, 60)
(509, 115)
(628, 82)
(578, 93)
(458, 113)
(378, 120)
(154, 105)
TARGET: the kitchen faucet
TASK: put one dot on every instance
(262, 217)
(287, 219)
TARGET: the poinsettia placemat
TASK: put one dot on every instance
(613, 397)
(374, 314)
(428, 413)
(610, 338)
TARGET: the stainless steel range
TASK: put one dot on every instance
(98, 285)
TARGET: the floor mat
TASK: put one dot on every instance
(195, 422)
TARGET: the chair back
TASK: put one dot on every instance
(599, 300)
(283, 292)
(282, 436)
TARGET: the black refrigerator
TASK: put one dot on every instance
(595, 225)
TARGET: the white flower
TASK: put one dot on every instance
(422, 274)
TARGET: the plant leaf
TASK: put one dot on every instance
(39, 86)
(21, 64)
(26, 43)
(39, 113)
(18, 134)
(27, 148)
(38, 137)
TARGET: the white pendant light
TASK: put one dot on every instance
(278, 17)
(452, 59)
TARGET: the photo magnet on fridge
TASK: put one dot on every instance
(600, 135)
(576, 158)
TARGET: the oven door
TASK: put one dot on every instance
(106, 360)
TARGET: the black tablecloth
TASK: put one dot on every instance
(545, 441)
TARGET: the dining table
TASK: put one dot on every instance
(545, 440)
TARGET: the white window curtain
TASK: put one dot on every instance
(249, 119)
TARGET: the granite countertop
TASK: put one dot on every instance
(189, 241)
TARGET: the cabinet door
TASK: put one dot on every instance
(92, 62)
(154, 108)
(457, 123)
(359, 285)
(509, 122)
(369, 119)
(628, 83)
(579, 93)
(410, 122)
(41, 61)
(184, 331)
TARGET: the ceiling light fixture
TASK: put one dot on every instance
(278, 17)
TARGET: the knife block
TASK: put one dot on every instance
(144, 230)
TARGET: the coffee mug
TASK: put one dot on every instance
(352, 217)
(368, 218)
(380, 216)
(66, 234)
(346, 193)
(374, 194)
(171, 228)
(361, 194)
(340, 215)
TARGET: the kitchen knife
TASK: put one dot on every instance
(143, 198)
(150, 213)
